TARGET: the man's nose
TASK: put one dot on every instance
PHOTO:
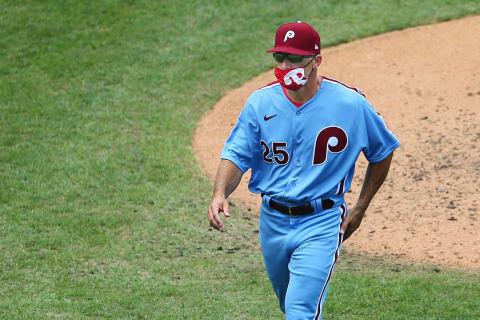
(285, 64)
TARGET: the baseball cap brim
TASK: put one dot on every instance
(291, 50)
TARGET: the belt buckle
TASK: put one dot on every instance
(290, 212)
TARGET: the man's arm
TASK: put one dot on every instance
(374, 178)
(227, 179)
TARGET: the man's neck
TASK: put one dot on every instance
(306, 92)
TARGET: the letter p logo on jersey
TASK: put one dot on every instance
(289, 35)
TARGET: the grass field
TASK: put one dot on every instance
(102, 205)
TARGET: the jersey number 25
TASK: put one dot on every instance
(280, 156)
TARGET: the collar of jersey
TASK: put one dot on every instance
(298, 106)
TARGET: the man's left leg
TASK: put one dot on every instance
(311, 267)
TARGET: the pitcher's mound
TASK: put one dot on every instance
(425, 81)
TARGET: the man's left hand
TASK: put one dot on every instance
(352, 222)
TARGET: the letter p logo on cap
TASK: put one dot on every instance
(304, 40)
(289, 35)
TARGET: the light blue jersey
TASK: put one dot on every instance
(299, 155)
(302, 153)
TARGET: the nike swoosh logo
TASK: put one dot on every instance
(268, 118)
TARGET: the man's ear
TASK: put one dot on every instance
(318, 60)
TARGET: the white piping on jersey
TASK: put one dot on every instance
(345, 85)
(274, 84)
(341, 185)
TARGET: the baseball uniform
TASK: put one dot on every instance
(305, 156)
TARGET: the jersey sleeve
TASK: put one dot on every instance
(379, 140)
(238, 148)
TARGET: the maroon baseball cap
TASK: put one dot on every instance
(297, 38)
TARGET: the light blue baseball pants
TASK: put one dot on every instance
(300, 254)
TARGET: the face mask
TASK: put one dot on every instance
(293, 78)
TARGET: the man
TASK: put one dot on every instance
(301, 136)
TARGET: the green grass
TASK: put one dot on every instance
(102, 206)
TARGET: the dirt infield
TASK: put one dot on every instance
(425, 81)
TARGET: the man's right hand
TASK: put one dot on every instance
(218, 204)
(227, 179)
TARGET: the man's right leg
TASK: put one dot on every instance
(273, 235)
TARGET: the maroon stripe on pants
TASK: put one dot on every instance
(340, 239)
